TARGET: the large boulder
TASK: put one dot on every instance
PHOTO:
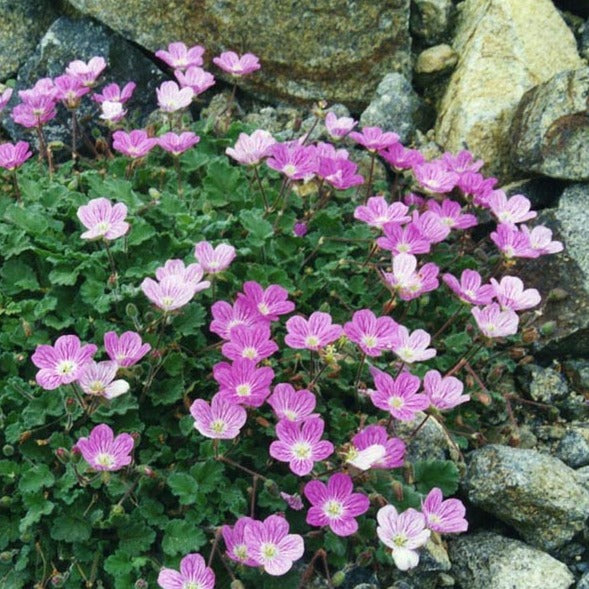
(489, 561)
(310, 49)
(550, 128)
(535, 493)
(22, 24)
(506, 47)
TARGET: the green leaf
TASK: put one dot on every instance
(70, 527)
(184, 487)
(35, 478)
(221, 181)
(259, 228)
(436, 473)
(118, 563)
(136, 536)
(18, 276)
(140, 232)
(181, 537)
(37, 506)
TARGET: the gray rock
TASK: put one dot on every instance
(536, 494)
(550, 128)
(582, 475)
(573, 448)
(396, 107)
(577, 371)
(563, 279)
(22, 24)
(506, 47)
(440, 59)
(583, 582)
(489, 561)
(309, 49)
(431, 19)
(68, 39)
(544, 385)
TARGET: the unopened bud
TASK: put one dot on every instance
(8, 450)
(117, 510)
(338, 578)
(548, 328)
(6, 556)
(141, 584)
(236, 584)
(59, 579)
(131, 310)
(5, 501)
(529, 335)
(62, 455)
(154, 193)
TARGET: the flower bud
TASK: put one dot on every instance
(131, 310)
(154, 193)
(141, 584)
(62, 455)
(338, 578)
(5, 501)
(8, 450)
(117, 511)
(236, 584)
(6, 556)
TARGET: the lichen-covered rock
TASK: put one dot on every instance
(22, 24)
(489, 561)
(536, 494)
(397, 107)
(550, 128)
(544, 385)
(310, 49)
(436, 60)
(506, 47)
(431, 19)
(573, 448)
(68, 39)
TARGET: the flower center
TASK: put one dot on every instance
(311, 341)
(167, 302)
(103, 226)
(243, 390)
(403, 248)
(369, 341)
(240, 551)
(105, 459)
(406, 353)
(290, 414)
(399, 540)
(263, 308)
(289, 169)
(250, 353)
(191, 585)
(301, 450)
(333, 509)
(269, 550)
(66, 367)
(96, 387)
(396, 402)
(434, 518)
(218, 426)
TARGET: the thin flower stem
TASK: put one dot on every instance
(370, 174)
(416, 430)
(16, 187)
(178, 176)
(446, 324)
(79, 398)
(215, 546)
(253, 497)
(469, 355)
(129, 491)
(253, 473)
(113, 268)
(262, 191)
(359, 373)
(74, 137)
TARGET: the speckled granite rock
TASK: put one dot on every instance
(431, 19)
(536, 494)
(573, 449)
(550, 128)
(22, 24)
(489, 561)
(506, 47)
(310, 49)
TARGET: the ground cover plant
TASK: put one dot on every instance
(210, 341)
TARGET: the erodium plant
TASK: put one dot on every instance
(210, 343)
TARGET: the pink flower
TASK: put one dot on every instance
(450, 214)
(511, 294)
(5, 97)
(339, 172)
(431, 226)
(300, 229)
(112, 112)
(294, 160)
(69, 89)
(14, 156)
(171, 98)
(125, 350)
(373, 335)
(113, 93)
(42, 88)
(236, 65)
(176, 285)
(175, 143)
(226, 317)
(134, 144)
(510, 211)
(435, 178)
(401, 158)
(214, 260)
(269, 304)
(477, 186)
(290, 404)
(444, 517)
(293, 501)
(195, 78)
(271, 546)
(406, 239)
(329, 151)
(36, 111)
(103, 451)
(87, 73)
(461, 162)
(250, 150)
(221, 420)
(335, 505)
(179, 56)
(234, 537)
(98, 378)
(469, 288)
(540, 241)
(409, 283)
(443, 392)
(62, 363)
(103, 220)
(251, 342)
(512, 242)
(403, 533)
(494, 322)
(377, 212)
(242, 382)
(311, 334)
(413, 347)
(338, 127)
(300, 444)
(398, 396)
(374, 139)
(372, 448)
(193, 574)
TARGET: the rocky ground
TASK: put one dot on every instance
(507, 79)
